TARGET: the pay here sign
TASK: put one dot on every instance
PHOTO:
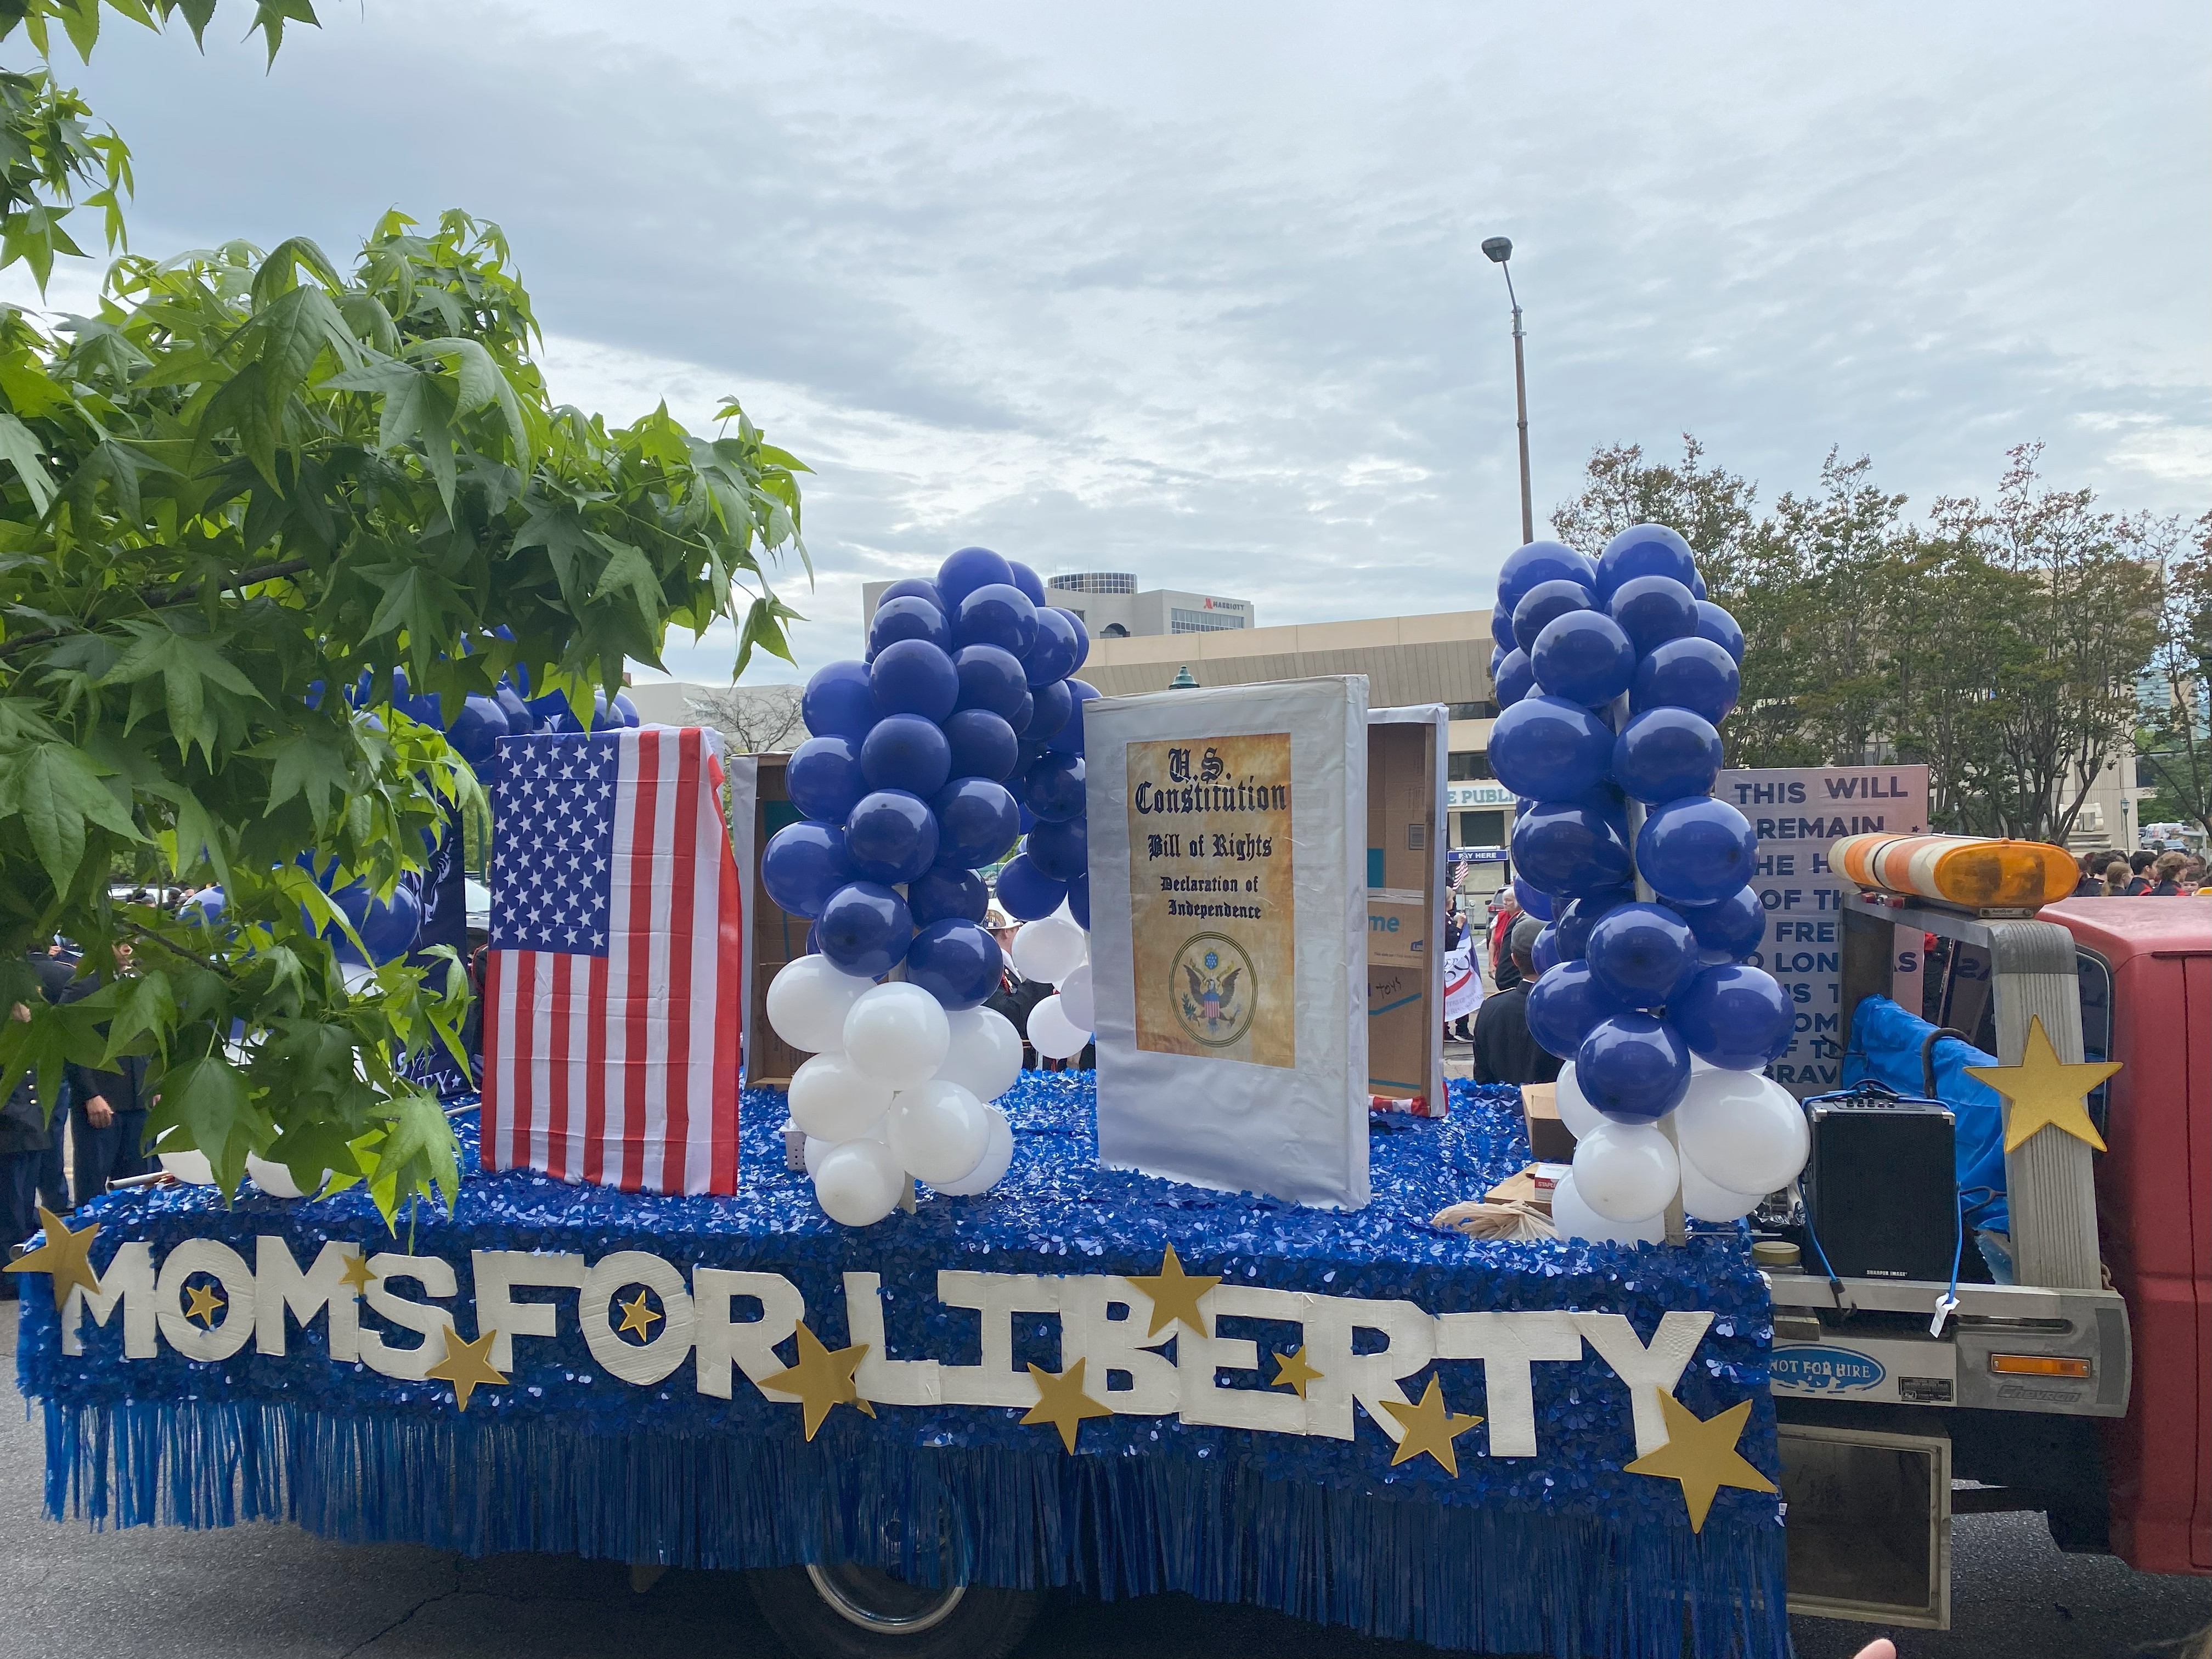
(1797, 813)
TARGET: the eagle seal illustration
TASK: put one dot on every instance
(1214, 1001)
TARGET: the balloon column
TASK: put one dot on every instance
(1612, 675)
(959, 734)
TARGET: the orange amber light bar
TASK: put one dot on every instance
(1971, 871)
(2037, 1364)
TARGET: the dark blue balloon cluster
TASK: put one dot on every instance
(1612, 675)
(960, 732)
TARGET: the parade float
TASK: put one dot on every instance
(1185, 1323)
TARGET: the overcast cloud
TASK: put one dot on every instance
(1196, 292)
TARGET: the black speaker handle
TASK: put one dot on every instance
(1928, 1056)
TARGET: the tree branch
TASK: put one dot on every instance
(160, 598)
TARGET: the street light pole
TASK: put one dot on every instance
(1500, 250)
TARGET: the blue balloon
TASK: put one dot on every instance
(1543, 602)
(1732, 927)
(626, 709)
(970, 568)
(1052, 788)
(1549, 748)
(983, 745)
(476, 733)
(1566, 1006)
(205, 909)
(908, 619)
(1568, 850)
(908, 752)
(1543, 955)
(1053, 656)
(913, 677)
(1735, 1018)
(943, 893)
(1026, 892)
(864, 929)
(1577, 916)
(1717, 625)
(1501, 628)
(606, 717)
(1027, 580)
(388, 929)
(1497, 661)
(1698, 587)
(1060, 850)
(1069, 739)
(1078, 900)
(912, 588)
(1697, 850)
(1052, 706)
(553, 713)
(1583, 657)
(1653, 609)
(1533, 899)
(1692, 673)
(998, 614)
(1644, 549)
(1541, 562)
(1633, 1068)
(803, 864)
(890, 835)
(1643, 954)
(838, 702)
(1664, 754)
(520, 722)
(823, 778)
(1514, 679)
(990, 679)
(1019, 721)
(976, 822)
(956, 962)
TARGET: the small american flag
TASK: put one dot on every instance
(611, 1008)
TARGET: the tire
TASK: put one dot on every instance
(845, 1611)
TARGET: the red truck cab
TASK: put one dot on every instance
(2145, 976)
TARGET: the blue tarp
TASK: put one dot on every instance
(1885, 1045)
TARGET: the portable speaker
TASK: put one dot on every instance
(1881, 1191)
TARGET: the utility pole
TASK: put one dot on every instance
(1500, 250)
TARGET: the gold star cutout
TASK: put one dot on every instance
(1174, 1294)
(2043, 1089)
(465, 1365)
(1429, 1427)
(201, 1303)
(1291, 1369)
(66, 1255)
(1061, 1402)
(357, 1275)
(636, 1316)
(1702, 1455)
(821, 1379)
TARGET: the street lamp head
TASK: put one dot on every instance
(1499, 248)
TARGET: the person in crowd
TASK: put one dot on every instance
(2165, 876)
(1454, 930)
(107, 1114)
(2092, 882)
(1503, 974)
(2117, 877)
(56, 968)
(1462, 987)
(2193, 873)
(24, 1137)
(2139, 880)
(1504, 1052)
(1015, 996)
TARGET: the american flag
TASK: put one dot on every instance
(612, 1007)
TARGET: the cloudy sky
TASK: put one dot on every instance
(1196, 291)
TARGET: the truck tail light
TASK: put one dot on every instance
(2037, 1364)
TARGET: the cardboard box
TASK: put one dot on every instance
(1405, 908)
(1549, 1139)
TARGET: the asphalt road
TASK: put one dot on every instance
(271, 1592)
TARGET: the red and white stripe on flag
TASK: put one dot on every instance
(613, 1003)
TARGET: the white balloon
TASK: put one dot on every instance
(985, 1055)
(1576, 1113)
(1055, 1036)
(1573, 1218)
(1076, 1000)
(1744, 1132)
(897, 1033)
(275, 1179)
(832, 1097)
(807, 1002)
(1708, 1200)
(991, 1168)
(939, 1132)
(816, 1148)
(1625, 1171)
(858, 1182)
(1050, 948)
(190, 1166)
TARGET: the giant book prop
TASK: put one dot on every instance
(1229, 935)
(1406, 750)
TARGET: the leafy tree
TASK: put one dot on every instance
(246, 481)
(2174, 746)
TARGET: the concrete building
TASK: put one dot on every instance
(1113, 609)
